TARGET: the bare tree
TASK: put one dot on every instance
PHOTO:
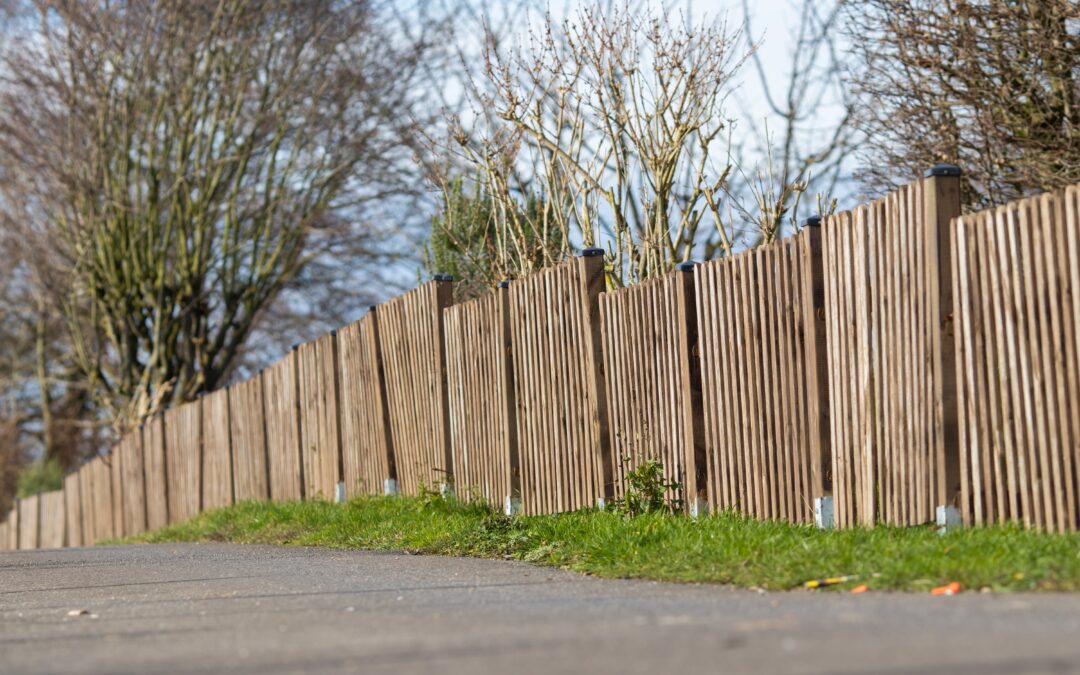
(993, 86)
(171, 168)
(611, 124)
(804, 140)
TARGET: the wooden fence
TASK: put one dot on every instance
(366, 450)
(282, 405)
(646, 351)
(217, 470)
(483, 418)
(247, 434)
(765, 391)
(410, 332)
(890, 355)
(898, 360)
(320, 440)
(1017, 291)
(559, 388)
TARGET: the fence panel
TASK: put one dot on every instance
(320, 441)
(129, 455)
(102, 499)
(217, 476)
(247, 423)
(761, 360)
(73, 509)
(410, 329)
(183, 460)
(52, 520)
(559, 388)
(892, 378)
(366, 445)
(156, 473)
(5, 535)
(482, 414)
(1017, 290)
(651, 403)
(29, 521)
(281, 401)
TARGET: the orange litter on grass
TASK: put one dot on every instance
(862, 588)
(948, 589)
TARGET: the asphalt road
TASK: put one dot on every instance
(222, 608)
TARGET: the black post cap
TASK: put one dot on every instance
(443, 276)
(943, 170)
(812, 221)
(294, 347)
(371, 308)
(592, 252)
(505, 283)
(687, 266)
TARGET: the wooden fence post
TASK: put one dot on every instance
(693, 416)
(390, 480)
(591, 263)
(443, 296)
(941, 203)
(817, 377)
(513, 500)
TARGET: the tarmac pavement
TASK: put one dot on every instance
(215, 608)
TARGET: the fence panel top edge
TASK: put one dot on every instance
(408, 295)
(462, 307)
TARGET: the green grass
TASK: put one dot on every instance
(723, 548)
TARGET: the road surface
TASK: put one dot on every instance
(216, 608)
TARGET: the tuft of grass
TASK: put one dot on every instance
(722, 548)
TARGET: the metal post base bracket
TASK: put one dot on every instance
(446, 490)
(699, 508)
(389, 487)
(512, 506)
(823, 513)
(339, 493)
(948, 518)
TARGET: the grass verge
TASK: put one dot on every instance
(723, 548)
